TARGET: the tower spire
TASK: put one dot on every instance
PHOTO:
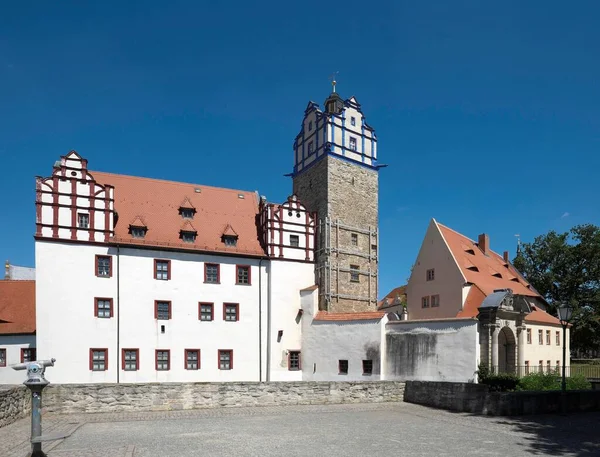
(333, 81)
(334, 103)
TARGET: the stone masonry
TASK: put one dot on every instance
(100, 398)
(15, 403)
(345, 194)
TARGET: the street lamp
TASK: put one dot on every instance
(565, 312)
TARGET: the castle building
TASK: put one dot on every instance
(336, 175)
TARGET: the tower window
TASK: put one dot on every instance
(310, 148)
(352, 143)
(83, 220)
(294, 241)
(310, 126)
(354, 274)
(353, 120)
(354, 239)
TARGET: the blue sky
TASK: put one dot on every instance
(488, 116)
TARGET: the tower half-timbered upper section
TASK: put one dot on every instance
(71, 205)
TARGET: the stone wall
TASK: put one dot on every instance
(15, 403)
(476, 399)
(97, 398)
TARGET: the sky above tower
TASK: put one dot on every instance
(488, 116)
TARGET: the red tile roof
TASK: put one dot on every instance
(541, 317)
(364, 316)
(17, 307)
(474, 300)
(156, 203)
(390, 298)
(468, 255)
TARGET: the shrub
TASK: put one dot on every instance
(501, 382)
(552, 381)
(578, 382)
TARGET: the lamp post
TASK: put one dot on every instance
(565, 312)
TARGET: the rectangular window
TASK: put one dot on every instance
(242, 274)
(2, 357)
(541, 366)
(528, 336)
(540, 336)
(310, 124)
(343, 366)
(162, 310)
(435, 301)
(548, 337)
(294, 360)
(162, 269)
(558, 338)
(352, 120)
(354, 239)
(231, 312)
(367, 366)
(206, 312)
(103, 266)
(83, 220)
(28, 355)
(211, 273)
(352, 143)
(131, 359)
(310, 147)
(225, 359)
(431, 274)
(294, 241)
(557, 365)
(425, 302)
(354, 274)
(526, 366)
(103, 307)
(548, 366)
(163, 360)
(98, 359)
(192, 359)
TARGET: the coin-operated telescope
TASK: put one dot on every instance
(36, 382)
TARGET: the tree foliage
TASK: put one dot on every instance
(565, 268)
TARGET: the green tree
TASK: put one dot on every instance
(565, 268)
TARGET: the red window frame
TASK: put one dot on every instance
(168, 269)
(212, 311)
(185, 360)
(96, 300)
(237, 275)
(156, 302)
(295, 351)
(32, 356)
(156, 351)
(237, 311)
(218, 265)
(230, 359)
(3, 351)
(110, 269)
(92, 358)
(137, 358)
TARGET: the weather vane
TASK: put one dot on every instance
(333, 81)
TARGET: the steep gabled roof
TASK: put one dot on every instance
(17, 307)
(157, 203)
(390, 298)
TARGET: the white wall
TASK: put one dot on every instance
(436, 254)
(445, 350)
(534, 352)
(13, 345)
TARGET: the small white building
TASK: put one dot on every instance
(17, 328)
(144, 280)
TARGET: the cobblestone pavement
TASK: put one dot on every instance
(389, 429)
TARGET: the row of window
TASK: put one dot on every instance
(27, 355)
(541, 337)
(367, 366)
(130, 360)
(162, 271)
(352, 122)
(163, 310)
(540, 367)
(432, 301)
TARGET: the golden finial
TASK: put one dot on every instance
(333, 81)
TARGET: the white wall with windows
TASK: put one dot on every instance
(15, 349)
(544, 344)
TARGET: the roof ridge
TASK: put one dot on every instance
(17, 280)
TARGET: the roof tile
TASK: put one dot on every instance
(17, 307)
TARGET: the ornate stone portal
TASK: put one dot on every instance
(502, 331)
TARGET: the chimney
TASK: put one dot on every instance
(484, 243)
(506, 260)
(7, 270)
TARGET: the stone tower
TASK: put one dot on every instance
(336, 175)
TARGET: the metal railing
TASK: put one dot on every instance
(589, 371)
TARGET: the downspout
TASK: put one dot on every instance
(260, 320)
(269, 324)
(118, 312)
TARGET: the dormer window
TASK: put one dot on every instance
(188, 236)
(230, 241)
(137, 231)
(187, 213)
